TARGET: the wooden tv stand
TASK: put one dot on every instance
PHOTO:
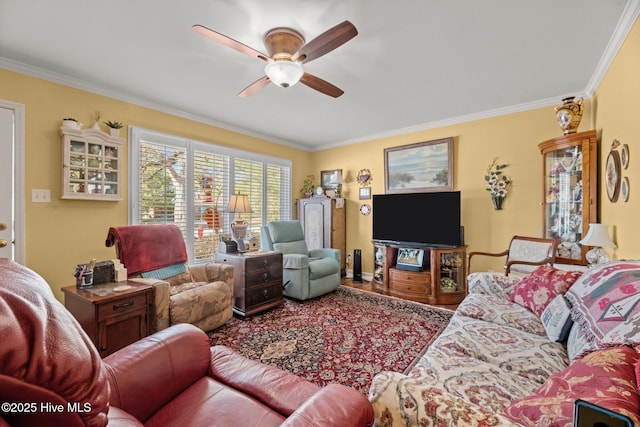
(441, 281)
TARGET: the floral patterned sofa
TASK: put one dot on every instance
(519, 351)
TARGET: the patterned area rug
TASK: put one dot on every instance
(343, 337)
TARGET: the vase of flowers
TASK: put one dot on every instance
(497, 183)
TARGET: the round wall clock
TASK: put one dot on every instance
(365, 209)
(612, 175)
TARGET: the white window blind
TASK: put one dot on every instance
(249, 180)
(162, 198)
(188, 183)
(278, 194)
(210, 193)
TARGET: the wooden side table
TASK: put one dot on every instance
(257, 280)
(111, 319)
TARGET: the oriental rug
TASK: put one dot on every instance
(345, 337)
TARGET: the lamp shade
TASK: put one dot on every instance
(239, 203)
(284, 73)
(598, 236)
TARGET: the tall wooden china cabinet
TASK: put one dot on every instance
(570, 202)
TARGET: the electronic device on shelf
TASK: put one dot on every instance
(410, 259)
(429, 219)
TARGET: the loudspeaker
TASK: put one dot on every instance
(357, 266)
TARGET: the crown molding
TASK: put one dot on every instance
(626, 22)
(542, 103)
(63, 79)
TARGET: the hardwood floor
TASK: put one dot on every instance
(366, 286)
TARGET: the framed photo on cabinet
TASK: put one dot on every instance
(420, 167)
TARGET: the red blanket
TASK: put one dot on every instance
(147, 247)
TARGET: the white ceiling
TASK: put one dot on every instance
(415, 64)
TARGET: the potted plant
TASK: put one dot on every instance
(71, 123)
(308, 186)
(114, 127)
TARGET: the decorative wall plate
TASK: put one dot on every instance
(624, 156)
(364, 177)
(365, 209)
(624, 189)
(612, 175)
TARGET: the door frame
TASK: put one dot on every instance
(18, 178)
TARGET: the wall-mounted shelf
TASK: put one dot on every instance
(91, 162)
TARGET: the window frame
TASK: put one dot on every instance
(138, 135)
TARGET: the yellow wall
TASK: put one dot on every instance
(63, 233)
(512, 138)
(617, 113)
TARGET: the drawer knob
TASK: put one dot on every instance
(265, 277)
(265, 293)
(123, 305)
(265, 263)
(103, 348)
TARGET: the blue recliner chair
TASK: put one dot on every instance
(307, 274)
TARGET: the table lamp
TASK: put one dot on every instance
(239, 203)
(598, 237)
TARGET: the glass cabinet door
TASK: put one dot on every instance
(569, 205)
(379, 263)
(563, 212)
(450, 271)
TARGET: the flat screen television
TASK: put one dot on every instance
(430, 219)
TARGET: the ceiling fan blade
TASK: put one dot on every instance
(326, 42)
(229, 42)
(255, 87)
(321, 85)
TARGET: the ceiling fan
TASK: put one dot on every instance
(287, 52)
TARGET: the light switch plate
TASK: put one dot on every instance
(40, 196)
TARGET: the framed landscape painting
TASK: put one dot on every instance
(419, 167)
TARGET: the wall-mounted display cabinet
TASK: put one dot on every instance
(91, 162)
(570, 199)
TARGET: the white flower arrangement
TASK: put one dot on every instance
(497, 183)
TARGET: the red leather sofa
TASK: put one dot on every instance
(50, 374)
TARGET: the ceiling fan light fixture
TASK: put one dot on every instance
(284, 73)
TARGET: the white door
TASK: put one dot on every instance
(11, 179)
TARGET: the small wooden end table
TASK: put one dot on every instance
(112, 319)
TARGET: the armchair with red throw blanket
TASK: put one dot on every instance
(156, 254)
(52, 375)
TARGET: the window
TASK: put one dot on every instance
(188, 183)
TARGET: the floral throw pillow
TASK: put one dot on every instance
(605, 378)
(536, 290)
